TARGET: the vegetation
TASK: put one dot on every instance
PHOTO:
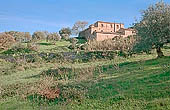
(52, 72)
(65, 33)
(78, 27)
(38, 35)
(20, 36)
(138, 82)
(53, 37)
(6, 41)
(153, 30)
(124, 45)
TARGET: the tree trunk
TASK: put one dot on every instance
(159, 52)
(47, 39)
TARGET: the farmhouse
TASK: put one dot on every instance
(106, 30)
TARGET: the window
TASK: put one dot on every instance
(101, 30)
(111, 26)
(102, 25)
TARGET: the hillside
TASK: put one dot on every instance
(135, 83)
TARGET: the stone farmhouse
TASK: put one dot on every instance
(106, 30)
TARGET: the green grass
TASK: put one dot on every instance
(60, 46)
(137, 83)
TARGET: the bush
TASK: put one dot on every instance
(32, 46)
(19, 49)
(117, 43)
(6, 41)
(46, 88)
(74, 42)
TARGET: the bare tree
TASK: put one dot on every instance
(78, 27)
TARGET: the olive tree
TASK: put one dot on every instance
(65, 33)
(20, 36)
(53, 37)
(39, 35)
(153, 30)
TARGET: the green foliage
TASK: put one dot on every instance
(18, 49)
(153, 29)
(81, 40)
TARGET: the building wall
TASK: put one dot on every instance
(105, 30)
(106, 27)
(87, 34)
(102, 36)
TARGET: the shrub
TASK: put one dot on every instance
(18, 49)
(6, 41)
(117, 43)
(32, 46)
(74, 42)
(72, 93)
(46, 88)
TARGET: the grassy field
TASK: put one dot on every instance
(136, 83)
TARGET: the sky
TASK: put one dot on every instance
(52, 15)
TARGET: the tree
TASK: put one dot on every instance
(38, 35)
(27, 36)
(78, 27)
(154, 28)
(53, 36)
(65, 33)
(20, 36)
(6, 40)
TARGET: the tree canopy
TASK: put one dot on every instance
(65, 33)
(39, 35)
(154, 28)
